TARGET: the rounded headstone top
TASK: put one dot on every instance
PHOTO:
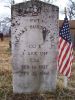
(35, 2)
(29, 6)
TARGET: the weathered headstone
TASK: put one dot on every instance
(34, 34)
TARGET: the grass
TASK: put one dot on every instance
(6, 80)
(5, 69)
(5, 84)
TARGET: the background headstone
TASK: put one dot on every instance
(34, 35)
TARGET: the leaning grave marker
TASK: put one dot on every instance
(34, 36)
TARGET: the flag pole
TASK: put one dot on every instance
(65, 77)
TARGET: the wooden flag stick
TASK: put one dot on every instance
(65, 78)
(65, 11)
(65, 81)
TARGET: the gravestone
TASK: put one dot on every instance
(34, 37)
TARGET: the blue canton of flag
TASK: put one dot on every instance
(65, 31)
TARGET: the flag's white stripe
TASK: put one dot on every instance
(66, 58)
(61, 46)
(59, 38)
(69, 65)
(63, 52)
(61, 43)
(68, 75)
(70, 61)
(71, 51)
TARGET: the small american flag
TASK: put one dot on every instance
(65, 56)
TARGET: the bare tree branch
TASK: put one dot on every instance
(71, 9)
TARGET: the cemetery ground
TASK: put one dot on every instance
(6, 81)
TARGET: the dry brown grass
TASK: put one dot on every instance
(5, 55)
(6, 80)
